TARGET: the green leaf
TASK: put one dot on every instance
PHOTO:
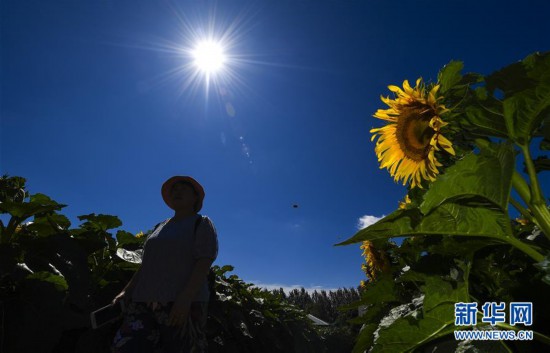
(450, 75)
(526, 87)
(364, 339)
(222, 270)
(58, 281)
(43, 200)
(407, 333)
(42, 228)
(447, 219)
(481, 93)
(485, 118)
(89, 240)
(520, 76)
(12, 189)
(412, 276)
(523, 112)
(381, 291)
(487, 175)
(125, 238)
(58, 219)
(28, 209)
(439, 291)
(49, 224)
(100, 222)
(460, 247)
(417, 328)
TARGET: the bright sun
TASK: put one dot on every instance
(209, 56)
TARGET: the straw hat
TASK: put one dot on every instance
(167, 186)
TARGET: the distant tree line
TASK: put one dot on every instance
(329, 306)
(323, 304)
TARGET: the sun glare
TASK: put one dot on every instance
(209, 53)
(209, 56)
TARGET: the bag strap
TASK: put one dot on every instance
(197, 223)
(159, 224)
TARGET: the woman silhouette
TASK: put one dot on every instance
(167, 299)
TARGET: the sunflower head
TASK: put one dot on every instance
(406, 145)
(376, 261)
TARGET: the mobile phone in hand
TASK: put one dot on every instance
(107, 314)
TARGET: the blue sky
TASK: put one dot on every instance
(95, 112)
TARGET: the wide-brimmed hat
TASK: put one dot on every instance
(167, 186)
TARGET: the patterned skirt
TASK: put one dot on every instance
(145, 330)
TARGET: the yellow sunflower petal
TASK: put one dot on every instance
(432, 96)
(401, 146)
(445, 144)
(408, 89)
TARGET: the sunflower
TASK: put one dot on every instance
(376, 261)
(407, 145)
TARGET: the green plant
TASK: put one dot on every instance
(244, 318)
(460, 243)
(52, 276)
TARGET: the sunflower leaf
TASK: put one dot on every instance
(126, 238)
(450, 75)
(526, 89)
(416, 326)
(58, 281)
(364, 339)
(447, 219)
(100, 222)
(382, 292)
(36, 206)
(487, 175)
(485, 117)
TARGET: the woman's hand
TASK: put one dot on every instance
(179, 313)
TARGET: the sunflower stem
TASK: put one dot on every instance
(536, 203)
(520, 185)
(526, 248)
(524, 212)
(536, 192)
